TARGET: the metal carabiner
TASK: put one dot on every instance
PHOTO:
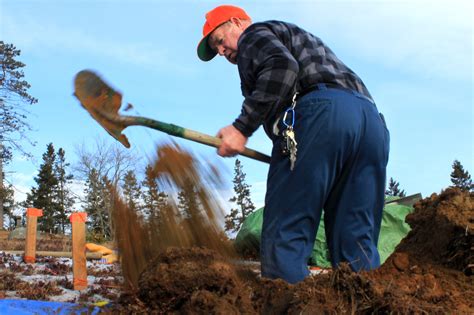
(292, 110)
(285, 116)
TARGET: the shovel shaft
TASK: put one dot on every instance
(184, 133)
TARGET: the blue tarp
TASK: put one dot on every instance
(28, 307)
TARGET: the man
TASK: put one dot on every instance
(330, 144)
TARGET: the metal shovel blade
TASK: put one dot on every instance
(102, 102)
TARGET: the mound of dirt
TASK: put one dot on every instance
(426, 274)
(430, 271)
(193, 280)
(442, 231)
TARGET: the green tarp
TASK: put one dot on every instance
(392, 231)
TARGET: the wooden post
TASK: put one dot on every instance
(79, 268)
(32, 215)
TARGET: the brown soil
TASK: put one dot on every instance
(443, 231)
(182, 263)
(193, 271)
(216, 286)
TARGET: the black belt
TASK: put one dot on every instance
(324, 86)
(318, 87)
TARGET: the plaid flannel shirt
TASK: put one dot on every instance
(275, 59)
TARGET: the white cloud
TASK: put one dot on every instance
(77, 188)
(22, 183)
(20, 158)
(422, 95)
(426, 38)
(29, 33)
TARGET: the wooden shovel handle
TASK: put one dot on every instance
(185, 133)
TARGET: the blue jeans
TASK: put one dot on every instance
(343, 147)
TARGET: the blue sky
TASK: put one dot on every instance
(414, 56)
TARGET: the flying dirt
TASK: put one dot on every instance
(184, 263)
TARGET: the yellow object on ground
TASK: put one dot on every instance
(98, 248)
(101, 303)
(109, 256)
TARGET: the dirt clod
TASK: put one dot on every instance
(401, 261)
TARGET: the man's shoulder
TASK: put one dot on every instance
(270, 24)
(260, 30)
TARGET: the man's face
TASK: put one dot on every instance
(224, 40)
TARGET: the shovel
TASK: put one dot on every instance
(103, 103)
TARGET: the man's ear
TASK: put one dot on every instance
(236, 21)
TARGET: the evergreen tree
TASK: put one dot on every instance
(44, 195)
(245, 206)
(65, 200)
(97, 204)
(393, 189)
(154, 200)
(131, 191)
(13, 96)
(460, 177)
(188, 201)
